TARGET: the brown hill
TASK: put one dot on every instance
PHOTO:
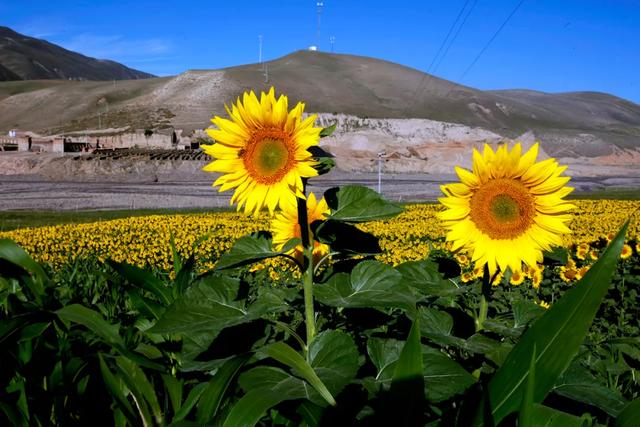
(370, 87)
(28, 58)
(586, 123)
(7, 74)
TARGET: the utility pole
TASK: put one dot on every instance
(266, 73)
(380, 154)
(260, 49)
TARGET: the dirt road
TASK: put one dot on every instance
(32, 193)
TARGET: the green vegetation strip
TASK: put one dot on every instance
(611, 194)
(12, 220)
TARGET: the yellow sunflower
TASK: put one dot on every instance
(582, 251)
(582, 271)
(262, 151)
(508, 209)
(536, 279)
(544, 304)
(517, 278)
(466, 277)
(285, 226)
(568, 273)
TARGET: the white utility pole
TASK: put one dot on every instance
(260, 49)
(380, 154)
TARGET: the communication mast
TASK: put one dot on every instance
(260, 49)
(332, 40)
(319, 6)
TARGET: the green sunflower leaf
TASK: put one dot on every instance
(370, 284)
(443, 376)
(335, 358)
(578, 384)
(525, 414)
(143, 279)
(544, 416)
(283, 353)
(211, 305)
(253, 248)
(406, 394)
(354, 203)
(629, 415)
(328, 130)
(94, 322)
(14, 254)
(142, 389)
(557, 256)
(266, 387)
(116, 386)
(216, 389)
(324, 159)
(333, 361)
(424, 276)
(345, 238)
(557, 336)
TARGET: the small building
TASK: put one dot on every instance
(46, 144)
(8, 143)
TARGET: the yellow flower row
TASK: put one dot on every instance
(144, 241)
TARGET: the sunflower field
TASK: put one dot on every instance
(144, 241)
(505, 304)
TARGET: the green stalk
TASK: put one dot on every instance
(484, 298)
(307, 283)
(482, 314)
(307, 275)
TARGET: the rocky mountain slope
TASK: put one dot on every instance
(28, 58)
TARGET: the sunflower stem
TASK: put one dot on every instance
(484, 298)
(307, 283)
(307, 276)
(303, 220)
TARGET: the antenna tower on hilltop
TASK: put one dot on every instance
(260, 49)
(319, 6)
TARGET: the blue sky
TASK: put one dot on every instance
(553, 46)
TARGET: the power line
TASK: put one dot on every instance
(513, 12)
(455, 23)
(453, 39)
(455, 36)
(419, 88)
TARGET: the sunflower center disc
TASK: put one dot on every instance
(502, 209)
(268, 157)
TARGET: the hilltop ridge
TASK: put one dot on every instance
(28, 58)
